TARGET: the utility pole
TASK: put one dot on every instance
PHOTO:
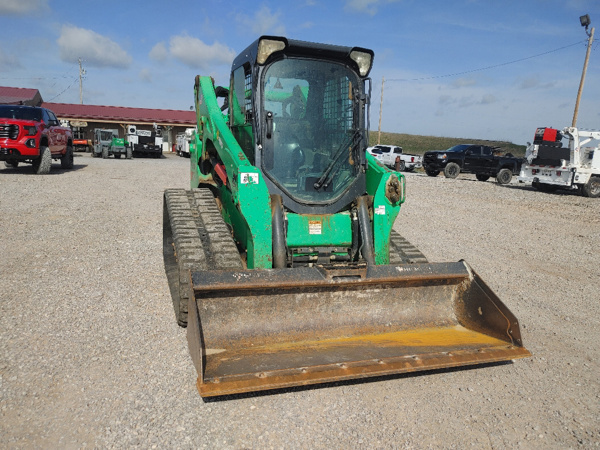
(380, 108)
(81, 74)
(585, 21)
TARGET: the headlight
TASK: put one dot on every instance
(31, 131)
(363, 59)
(444, 156)
(266, 47)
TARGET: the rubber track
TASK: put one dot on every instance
(403, 252)
(195, 237)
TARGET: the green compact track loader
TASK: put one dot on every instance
(282, 259)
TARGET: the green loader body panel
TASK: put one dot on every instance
(244, 194)
(384, 211)
(306, 230)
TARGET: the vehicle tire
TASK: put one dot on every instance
(504, 176)
(66, 162)
(117, 156)
(128, 153)
(591, 188)
(11, 165)
(432, 173)
(104, 152)
(42, 164)
(482, 177)
(401, 166)
(451, 170)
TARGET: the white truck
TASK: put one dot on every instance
(389, 154)
(145, 142)
(551, 165)
(183, 141)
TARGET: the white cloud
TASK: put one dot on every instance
(488, 99)
(196, 54)
(529, 83)
(367, 6)
(22, 7)
(145, 75)
(445, 100)
(95, 49)
(8, 61)
(534, 82)
(263, 22)
(464, 82)
(159, 52)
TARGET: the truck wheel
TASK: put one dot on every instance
(105, 153)
(12, 165)
(432, 173)
(482, 177)
(401, 166)
(451, 170)
(42, 164)
(591, 188)
(66, 162)
(504, 176)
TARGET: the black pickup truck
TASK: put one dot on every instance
(480, 160)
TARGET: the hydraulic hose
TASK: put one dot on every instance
(364, 221)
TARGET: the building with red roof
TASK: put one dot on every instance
(84, 119)
(20, 96)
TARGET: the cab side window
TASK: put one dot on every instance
(46, 116)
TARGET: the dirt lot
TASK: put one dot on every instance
(91, 355)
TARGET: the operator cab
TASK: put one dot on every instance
(298, 110)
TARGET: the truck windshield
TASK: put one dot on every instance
(458, 148)
(20, 113)
(312, 152)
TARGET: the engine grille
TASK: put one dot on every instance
(9, 131)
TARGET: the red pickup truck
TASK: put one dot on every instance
(33, 135)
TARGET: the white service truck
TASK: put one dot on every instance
(183, 141)
(553, 164)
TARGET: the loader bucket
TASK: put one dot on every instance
(265, 329)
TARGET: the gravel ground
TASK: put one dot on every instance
(91, 355)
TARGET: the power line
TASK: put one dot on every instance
(488, 67)
(65, 90)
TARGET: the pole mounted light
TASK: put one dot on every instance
(585, 22)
